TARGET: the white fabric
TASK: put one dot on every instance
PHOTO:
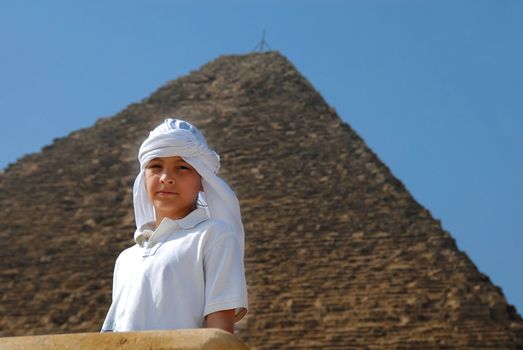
(187, 269)
(179, 138)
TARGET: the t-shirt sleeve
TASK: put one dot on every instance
(109, 322)
(115, 277)
(225, 286)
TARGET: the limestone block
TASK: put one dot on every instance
(187, 339)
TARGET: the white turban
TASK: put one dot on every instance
(176, 137)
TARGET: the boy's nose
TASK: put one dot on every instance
(167, 178)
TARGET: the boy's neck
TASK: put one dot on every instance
(160, 216)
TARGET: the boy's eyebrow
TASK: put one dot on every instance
(159, 159)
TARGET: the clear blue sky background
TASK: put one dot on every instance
(434, 87)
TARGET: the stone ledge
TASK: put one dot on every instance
(186, 339)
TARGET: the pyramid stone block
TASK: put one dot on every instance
(338, 253)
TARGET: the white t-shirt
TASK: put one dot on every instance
(185, 270)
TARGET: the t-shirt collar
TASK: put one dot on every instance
(148, 232)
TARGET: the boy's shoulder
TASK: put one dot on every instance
(214, 230)
(200, 221)
(128, 252)
(216, 225)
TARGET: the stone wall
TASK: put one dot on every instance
(187, 339)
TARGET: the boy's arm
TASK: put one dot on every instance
(225, 287)
(223, 319)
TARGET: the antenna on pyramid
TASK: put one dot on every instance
(262, 45)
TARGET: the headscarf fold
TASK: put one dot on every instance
(176, 137)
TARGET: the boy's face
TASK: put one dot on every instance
(172, 187)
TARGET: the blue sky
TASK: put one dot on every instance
(434, 87)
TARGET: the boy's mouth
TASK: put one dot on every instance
(166, 193)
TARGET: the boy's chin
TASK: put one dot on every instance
(174, 213)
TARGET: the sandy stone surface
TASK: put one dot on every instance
(187, 339)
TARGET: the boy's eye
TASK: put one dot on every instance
(151, 166)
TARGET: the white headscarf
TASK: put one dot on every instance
(176, 137)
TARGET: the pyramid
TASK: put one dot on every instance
(338, 254)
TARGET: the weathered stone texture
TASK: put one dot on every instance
(185, 339)
(338, 253)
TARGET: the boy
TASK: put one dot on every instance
(186, 269)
